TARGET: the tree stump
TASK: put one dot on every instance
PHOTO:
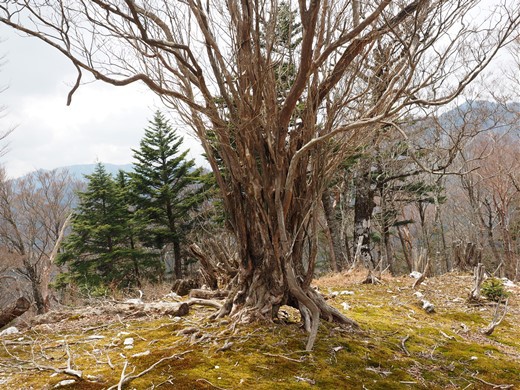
(466, 256)
(478, 277)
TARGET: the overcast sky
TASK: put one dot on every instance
(102, 124)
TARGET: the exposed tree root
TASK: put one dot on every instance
(263, 305)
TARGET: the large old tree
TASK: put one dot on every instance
(279, 93)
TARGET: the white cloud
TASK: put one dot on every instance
(103, 123)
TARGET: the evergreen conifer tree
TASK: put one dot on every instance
(166, 187)
(99, 250)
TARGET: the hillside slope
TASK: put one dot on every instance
(400, 346)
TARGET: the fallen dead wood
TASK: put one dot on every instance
(478, 277)
(176, 309)
(493, 385)
(204, 302)
(209, 294)
(403, 346)
(125, 379)
(423, 276)
(497, 319)
(124, 309)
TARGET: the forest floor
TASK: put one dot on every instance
(399, 345)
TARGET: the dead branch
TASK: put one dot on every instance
(209, 383)
(67, 371)
(371, 278)
(300, 360)
(478, 277)
(204, 302)
(423, 276)
(403, 346)
(227, 346)
(492, 385)
(209, 294)
(125, 379)
(497, 319)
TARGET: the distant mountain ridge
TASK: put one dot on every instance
(78, 171)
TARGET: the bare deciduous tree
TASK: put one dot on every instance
(276, 115)
(33, 212)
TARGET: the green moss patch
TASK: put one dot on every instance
(399, 346)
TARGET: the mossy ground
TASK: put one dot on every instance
(399, 346)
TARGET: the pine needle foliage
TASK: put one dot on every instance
(100, 250)
(166, 187)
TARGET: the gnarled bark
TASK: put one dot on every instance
(278, 261)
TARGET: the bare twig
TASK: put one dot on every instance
(403, 346)
(497, 319)
(492, 385)
(109, 362)
(67, 371)
(300, 360)
(125, 379)
(447, 336)
(211, 384)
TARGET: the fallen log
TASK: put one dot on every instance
(209, 294)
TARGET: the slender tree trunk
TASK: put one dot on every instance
(388, 249)
(135, 263)
(363, 209)
(41, 302)
(488, 224)
(407, 248)
(385, 229)
(440, 226)
(334, 232)
(422, 207)
(177, 259)
(510, 266)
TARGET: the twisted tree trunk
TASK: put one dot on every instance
(277, 258)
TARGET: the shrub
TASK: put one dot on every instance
(494, 290)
